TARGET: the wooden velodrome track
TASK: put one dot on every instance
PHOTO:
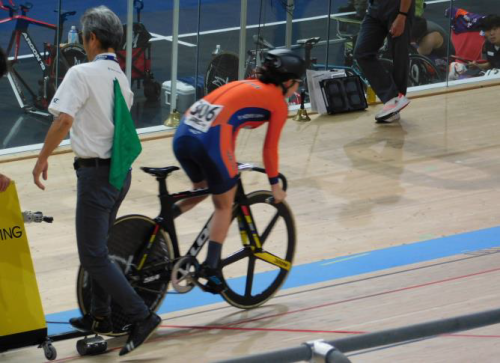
(355, 187)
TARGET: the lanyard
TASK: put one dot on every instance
(106, 57)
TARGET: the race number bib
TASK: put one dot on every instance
(202, 114)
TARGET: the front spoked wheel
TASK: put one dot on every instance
(151, 283)
(264, 271)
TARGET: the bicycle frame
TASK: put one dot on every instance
(21, 32)
(248, 232)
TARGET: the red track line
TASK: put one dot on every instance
(369, 296)
(325, 305)
(215, 327)
(208, 327)
(352, 332)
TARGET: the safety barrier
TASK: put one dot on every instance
(332, 351)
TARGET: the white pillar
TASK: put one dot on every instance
(130, 27)
(243, 39)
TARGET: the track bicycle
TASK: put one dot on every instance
(70, 54)
(260, 245)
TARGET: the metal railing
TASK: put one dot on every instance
(319, 349)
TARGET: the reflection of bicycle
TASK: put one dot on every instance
(141, 56)
(70, 54)
(260, 245)
(222, 69)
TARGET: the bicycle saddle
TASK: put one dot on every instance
(159, 172)
(262, 42)
(26, 6)
(12, 8)
(309, 41)
(66, 14)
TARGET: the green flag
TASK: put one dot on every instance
(126, 143)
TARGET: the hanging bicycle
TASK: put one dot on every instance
(69, 54)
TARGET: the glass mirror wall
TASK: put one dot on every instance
(475, 35)
(28, 34)
(324, 31)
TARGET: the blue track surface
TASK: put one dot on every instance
(329, 270)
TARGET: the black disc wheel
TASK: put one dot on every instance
(69, 55)
(152, 90)
(223, 68)
(423, 71)
(151, 283)
(251, 280)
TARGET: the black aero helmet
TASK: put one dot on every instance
(284, 64)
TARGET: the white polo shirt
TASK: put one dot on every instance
(87, 94)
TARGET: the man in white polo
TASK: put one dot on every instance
(83, 106)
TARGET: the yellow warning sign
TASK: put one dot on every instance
(20, 305)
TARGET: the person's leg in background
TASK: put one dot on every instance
(400, 49)
(370, 39)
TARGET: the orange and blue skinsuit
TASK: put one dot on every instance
(205, 141)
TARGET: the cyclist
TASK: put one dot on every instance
(205, 142)
(430, 39)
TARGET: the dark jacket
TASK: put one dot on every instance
(387, 9)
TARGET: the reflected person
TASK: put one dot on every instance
(389, 19)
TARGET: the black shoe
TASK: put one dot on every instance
(140, 332)
(89, 324)
(215, 283)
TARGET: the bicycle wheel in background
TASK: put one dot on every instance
(422, 71)
(126, 237)
(70, 54)
(261, 280)
(222, 69)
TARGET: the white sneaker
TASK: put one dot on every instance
(393, 118)
(392, 107)
(456, 70)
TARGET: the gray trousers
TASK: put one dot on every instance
(96, 208)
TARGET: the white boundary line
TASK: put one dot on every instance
(158, 37)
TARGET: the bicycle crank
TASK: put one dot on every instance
(182, 274)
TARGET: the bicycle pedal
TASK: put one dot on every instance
(206, 288)
(214, 283)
